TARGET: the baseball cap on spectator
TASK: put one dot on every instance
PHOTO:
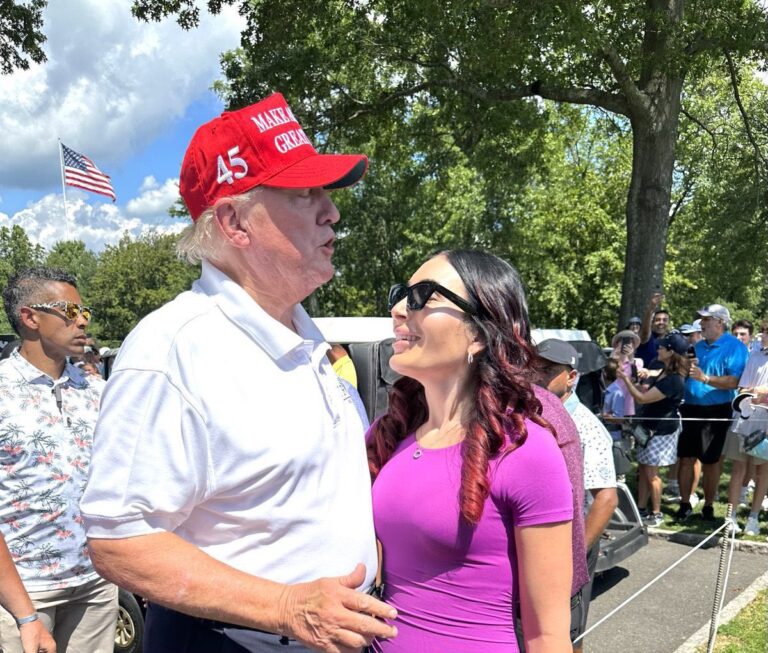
(634, 320)
(687, 329)
(558, 351)
(717, 311)
(260, 145)
(676, 342)
(625, 334)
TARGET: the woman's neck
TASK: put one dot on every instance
(446, 407)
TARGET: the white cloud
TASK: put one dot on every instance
(149, 183)
(110, 86)
(155, 200)
(97, 225)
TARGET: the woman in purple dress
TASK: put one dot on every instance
(472, 502)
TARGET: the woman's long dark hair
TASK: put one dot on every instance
(499, 384)
(678, 364)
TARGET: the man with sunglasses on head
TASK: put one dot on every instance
(230, 486)
(48, 414)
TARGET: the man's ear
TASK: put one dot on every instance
(231, 224)
(30, 320)
(572, 376)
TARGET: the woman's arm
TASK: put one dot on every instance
(545, 570)
(649, 397)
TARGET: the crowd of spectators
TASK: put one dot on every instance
(672, 392)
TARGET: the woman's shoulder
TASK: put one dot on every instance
(539, 441)
(671, 381)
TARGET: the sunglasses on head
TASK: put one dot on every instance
(419, 293)
(70, 309)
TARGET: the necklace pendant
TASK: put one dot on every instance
(417, 453)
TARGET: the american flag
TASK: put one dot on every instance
(80, 171)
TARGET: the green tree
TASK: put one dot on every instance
(354, 68)
(21, 36)
(75, 258)
(719, 239)
(562, 226)
(16, 253)
(132, 279)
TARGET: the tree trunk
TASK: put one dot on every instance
(649, 200)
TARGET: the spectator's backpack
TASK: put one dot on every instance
(374, 376)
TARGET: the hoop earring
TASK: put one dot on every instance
(470, 358)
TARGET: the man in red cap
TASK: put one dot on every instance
(229, 484)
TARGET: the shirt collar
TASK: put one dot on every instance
(274, 337)
(32, 374)
(572, 403)
(720, 341)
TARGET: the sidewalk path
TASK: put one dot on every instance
(672, 610)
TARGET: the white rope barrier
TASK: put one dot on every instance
(659, 577)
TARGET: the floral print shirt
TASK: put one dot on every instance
(46, 434)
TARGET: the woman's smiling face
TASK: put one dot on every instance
(433, 341)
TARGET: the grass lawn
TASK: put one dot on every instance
(748, 632)
(695, 524)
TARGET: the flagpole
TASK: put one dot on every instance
(64, 189)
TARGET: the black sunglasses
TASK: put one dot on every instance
(419, 293)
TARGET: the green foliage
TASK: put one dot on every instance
(562, 225)
(458, 77)
(21, 37)
(719, 238)
(16, 253)
(72, 256)
(132, 279)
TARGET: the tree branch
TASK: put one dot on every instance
(610, 102)
(636, 100)
(737, 97)
(687, 187)
(700, 124)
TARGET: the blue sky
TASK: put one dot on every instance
(128, 95)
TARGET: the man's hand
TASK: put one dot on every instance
(329, 615)
(696, 373)
(36, 639)
(655, 301)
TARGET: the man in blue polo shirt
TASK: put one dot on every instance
(714, 377)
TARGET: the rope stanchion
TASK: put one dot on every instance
(721, 583)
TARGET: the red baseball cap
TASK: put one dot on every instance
(260, 145)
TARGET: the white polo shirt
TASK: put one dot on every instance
(223, 426)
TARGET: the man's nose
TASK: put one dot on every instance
(329, 214)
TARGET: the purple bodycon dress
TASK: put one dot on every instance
(455, 587)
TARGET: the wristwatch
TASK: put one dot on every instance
(26, 620)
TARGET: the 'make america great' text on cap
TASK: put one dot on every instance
(260, 145)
